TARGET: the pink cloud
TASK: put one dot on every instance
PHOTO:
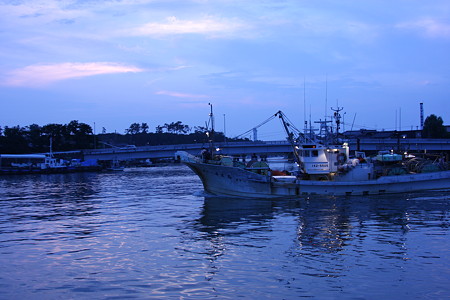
(180, 95)
(429, 27)
(174, 26)
(44, 74)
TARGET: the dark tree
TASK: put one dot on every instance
(200, 129)
(34, 136)
(55, 130)
(14, 140)
(73, 127)
(74, 135)
(84, 138)
(144, 128)
(433, 127)
(177, 127)
(135, 128)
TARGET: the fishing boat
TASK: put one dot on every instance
(43, 164)
(321, 165)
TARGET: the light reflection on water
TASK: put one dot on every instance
(148, 233)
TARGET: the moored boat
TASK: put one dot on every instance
(43, 164)
(322, 165)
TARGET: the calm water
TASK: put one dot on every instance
(150, 234)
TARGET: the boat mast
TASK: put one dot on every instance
(211, 132)
(211, 117)
(51, 146)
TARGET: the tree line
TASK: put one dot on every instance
(37, 139)
(168, 134)
(174, 127)
(77, 135)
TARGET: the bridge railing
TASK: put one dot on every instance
(265, 147)
(180, 147)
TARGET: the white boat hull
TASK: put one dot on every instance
(233, 181)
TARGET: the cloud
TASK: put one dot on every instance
(180, 95)
(174, 26)
(44, 74)
(324, 26)
(428, 27)
(45, 10)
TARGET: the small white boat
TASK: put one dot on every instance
(320, 167)
(116, 166)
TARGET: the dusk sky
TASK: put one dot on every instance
(123, 61)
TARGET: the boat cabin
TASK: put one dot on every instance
(321, 159)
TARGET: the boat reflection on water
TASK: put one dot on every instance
(224, 212)
(329, 247)
(328, 224)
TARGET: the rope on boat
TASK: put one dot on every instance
(263, 123)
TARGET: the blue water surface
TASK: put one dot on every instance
(151, 233)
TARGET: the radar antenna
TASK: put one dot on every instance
(337, 118)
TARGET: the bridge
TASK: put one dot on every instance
(264, 148)
(168, 151)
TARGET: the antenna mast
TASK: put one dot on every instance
(326, 96)
(337, 118)
(304, 107)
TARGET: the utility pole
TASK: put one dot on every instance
(224, 129)
(421, 115)
(95, 144)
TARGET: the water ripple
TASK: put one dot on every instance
(152, 233)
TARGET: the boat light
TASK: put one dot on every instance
(217, 149)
